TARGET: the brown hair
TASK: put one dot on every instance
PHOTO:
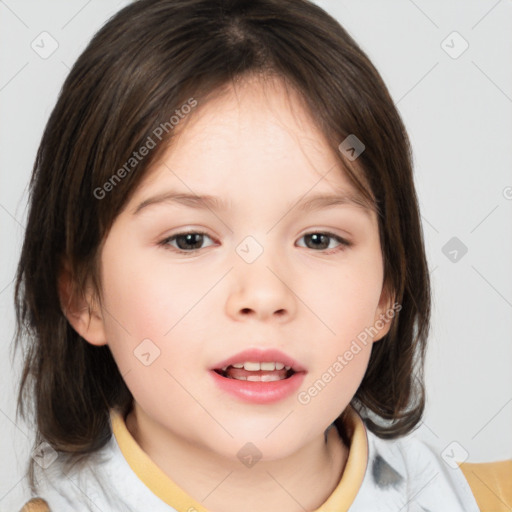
(132, 77)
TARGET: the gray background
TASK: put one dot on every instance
(457, 109)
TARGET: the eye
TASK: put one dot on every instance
(320, 240)
(186, 242)
(191, 241)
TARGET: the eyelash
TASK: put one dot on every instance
(344, 244)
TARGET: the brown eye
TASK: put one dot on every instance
(322, 241)
(186, 242)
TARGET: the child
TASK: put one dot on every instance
(223, 283)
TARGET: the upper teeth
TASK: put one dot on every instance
(254, 367)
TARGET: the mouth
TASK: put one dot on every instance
(256, 371)
(259, 376)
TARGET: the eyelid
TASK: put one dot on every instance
(328, 232)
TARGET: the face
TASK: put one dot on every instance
(265, 273)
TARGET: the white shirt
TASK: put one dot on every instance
(400, 475)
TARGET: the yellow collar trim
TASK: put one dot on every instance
(162, 486)
(346, 491)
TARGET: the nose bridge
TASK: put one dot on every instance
(261, 276)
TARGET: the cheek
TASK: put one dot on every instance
(149, 315)
(145, 314)
(146, 296)
(345, 299)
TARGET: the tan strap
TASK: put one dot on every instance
(36, 505)
(491, 484)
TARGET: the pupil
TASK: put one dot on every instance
(316, 237)
(189, 240)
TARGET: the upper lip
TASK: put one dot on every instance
(258, 355)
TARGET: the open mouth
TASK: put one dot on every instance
(270, 371)
(259, 376)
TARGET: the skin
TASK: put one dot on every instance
(257, 148)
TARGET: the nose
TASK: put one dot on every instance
(261, 290)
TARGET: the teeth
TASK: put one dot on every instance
(270, 378)
(262, 378)
(252, 366)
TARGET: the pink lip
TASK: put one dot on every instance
(259, 392)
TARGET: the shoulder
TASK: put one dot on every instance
(411, 472)
(65, 483)
(102, 481)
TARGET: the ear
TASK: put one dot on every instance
(385, 313)
(82, 312)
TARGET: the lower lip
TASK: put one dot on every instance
(259, 392)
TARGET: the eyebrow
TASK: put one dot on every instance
(209, 202)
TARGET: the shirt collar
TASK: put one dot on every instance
(162, 486)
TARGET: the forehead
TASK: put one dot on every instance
(247, 116)
(256, 134)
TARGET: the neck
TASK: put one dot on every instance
(302, 481)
